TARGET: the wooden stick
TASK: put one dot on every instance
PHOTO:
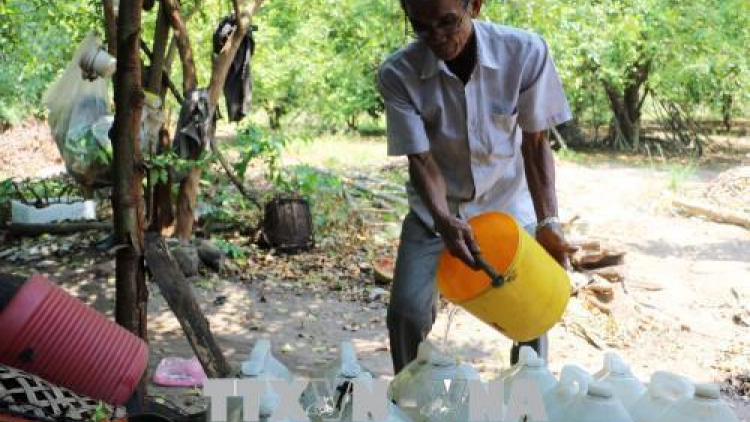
(712, 213)
(176, 290)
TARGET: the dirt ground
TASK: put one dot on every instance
(686, 279)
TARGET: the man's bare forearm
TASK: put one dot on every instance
(429, 184)
(539, 164)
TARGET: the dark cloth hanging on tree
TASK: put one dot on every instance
(238, 86)
(195, 128)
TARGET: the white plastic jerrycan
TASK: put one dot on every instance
(532, 368)
(260, 365)
(704, 406)
(432, 386)
(574, 382)
(598, 405)
(664, 390)
(329, 395)
(617, 374)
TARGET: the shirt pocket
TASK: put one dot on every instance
(502, 131)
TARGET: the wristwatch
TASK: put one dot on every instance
(548, 222)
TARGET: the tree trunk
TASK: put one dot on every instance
(160, 204)
(626, 105)
(186, 201)
(131, 298)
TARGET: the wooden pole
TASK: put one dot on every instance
(128, 169)
(176, 290)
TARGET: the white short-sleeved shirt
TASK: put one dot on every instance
(473, 132)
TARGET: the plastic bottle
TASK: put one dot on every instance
(598, 405)
(260, 365)
(574, 381)
(432, 386)
(529, 367)
(664, 390)
(617, 374)
(704, 406)
(334, 400)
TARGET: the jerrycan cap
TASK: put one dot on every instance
(597, 389)
(707, 391)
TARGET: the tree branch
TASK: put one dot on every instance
(110, 26)
(189, 78)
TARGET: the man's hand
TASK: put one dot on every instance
(552, 239)
(458, 238)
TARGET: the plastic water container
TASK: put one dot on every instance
(51, 334)
(432, 386)
(334, 401)
(529, 367)
(260, 365)
(263, 364)
(533, 293)
(574, 381)
(598, 405)
(664, 390)
(704, 406)
(617, 374)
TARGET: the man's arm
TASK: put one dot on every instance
(539, 165)
(430, 185)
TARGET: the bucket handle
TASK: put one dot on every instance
(496, 277)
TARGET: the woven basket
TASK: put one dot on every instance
(28, 396)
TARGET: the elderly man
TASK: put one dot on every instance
(468, 103)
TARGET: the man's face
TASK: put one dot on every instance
(444, 25)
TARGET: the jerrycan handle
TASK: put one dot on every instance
(257, 362)
(496, 277)
(575, 379)
(670, 386)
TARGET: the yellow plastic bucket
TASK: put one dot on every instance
(536, 288)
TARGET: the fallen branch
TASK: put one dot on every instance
(24, 229)
(175, 289)
(365, 189)
(712, 213)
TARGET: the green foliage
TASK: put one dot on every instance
(100, 413)
(315, 62)
(330, 208)
(233, 251)
(679, 174)
(38, 39)
(257, 143)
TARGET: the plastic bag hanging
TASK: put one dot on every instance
(74, 105)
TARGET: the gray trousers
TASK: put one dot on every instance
(414, 297)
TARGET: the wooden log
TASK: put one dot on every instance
(584, 259)
(712, 213)
(614, 274)
(24, 229)
(176, 290)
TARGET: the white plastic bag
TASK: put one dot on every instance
(74, 105)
